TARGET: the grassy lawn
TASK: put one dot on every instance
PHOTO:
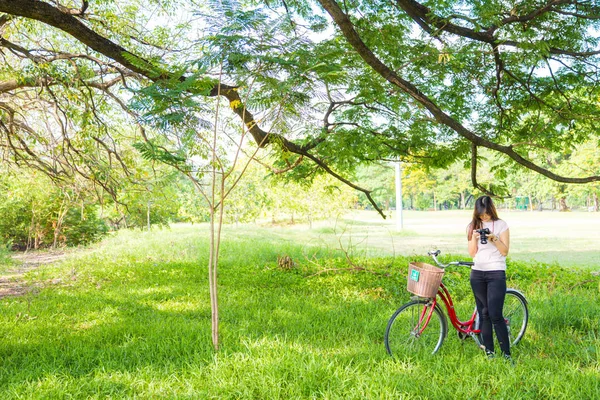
(130, 318)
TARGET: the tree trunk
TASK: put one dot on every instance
(212, 284)
(563, 204)
(124, 219)
(31, 228)
(596, 202)
(462, 200)
(36, 238)
(62, 212)
(214, 248)
(56, 233)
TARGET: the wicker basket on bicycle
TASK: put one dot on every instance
(424, 279)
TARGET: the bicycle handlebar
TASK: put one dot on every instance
(434, 254)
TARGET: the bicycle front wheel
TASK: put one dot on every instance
(408, 331)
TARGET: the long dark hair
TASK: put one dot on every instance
(483, 205)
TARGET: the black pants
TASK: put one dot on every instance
(489, 288)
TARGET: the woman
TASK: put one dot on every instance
(488, 274)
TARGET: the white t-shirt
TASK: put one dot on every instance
(488, 258)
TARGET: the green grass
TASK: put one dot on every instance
(130, 318)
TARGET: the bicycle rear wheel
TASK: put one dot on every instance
(516, 315)
(406, 335)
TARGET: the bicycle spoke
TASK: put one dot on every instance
(409, 332)
(516, 316)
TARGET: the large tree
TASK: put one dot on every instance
(429, 81)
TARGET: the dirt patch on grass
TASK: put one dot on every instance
(12, 282)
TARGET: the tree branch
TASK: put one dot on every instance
(347, 29)
(474, 173)
(425, 18)
(46, 13)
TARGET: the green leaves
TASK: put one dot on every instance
(524, 74)
(152, 152)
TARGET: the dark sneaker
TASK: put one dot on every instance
(490, 354)
(509, 359)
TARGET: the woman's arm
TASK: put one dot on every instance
(502, 243)
(473, 241)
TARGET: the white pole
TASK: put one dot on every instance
(148, 216)
(399, 224)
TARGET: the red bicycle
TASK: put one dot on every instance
(421, 325)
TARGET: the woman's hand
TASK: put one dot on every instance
(493, 238)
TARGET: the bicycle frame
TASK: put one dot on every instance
(465, 327)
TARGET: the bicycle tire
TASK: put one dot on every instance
(400, 334)
(516, 313)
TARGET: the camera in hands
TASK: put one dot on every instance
(483, 234)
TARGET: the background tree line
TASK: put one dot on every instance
(37, 212)
(450, 188)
